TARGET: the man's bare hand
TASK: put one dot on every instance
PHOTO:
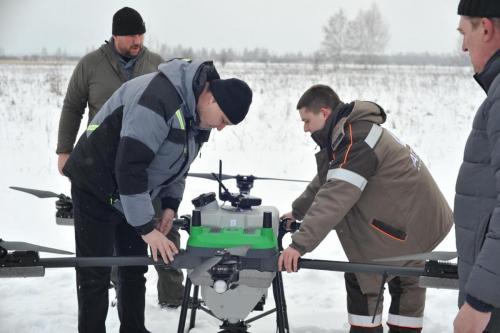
(166, 221)
(288, 215)
(159, 243)
(61, 161)
(289, 259)
(469, 320)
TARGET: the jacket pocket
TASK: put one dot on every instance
(389, 230)
(480, 235)
(178, 158)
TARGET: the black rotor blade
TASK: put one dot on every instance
(225, 177)
(239, 251)
(437, 255)
(282, 179)
(210, 176)
(205, 266)
(22, 246)
(37, 193)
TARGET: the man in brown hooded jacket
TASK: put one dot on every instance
(379, 197)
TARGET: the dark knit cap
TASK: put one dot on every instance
(128, 21)
(479, 8)
(234, 98)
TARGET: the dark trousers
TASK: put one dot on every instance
(170, 288)
(100, 230)
(405, 312)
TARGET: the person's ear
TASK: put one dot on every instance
(488, 27)
(325, 112)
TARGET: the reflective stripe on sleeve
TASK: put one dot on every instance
(405, 321)
(373, 136)
(180, 118)
(364, 321)
(347, 176)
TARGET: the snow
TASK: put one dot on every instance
(429, 108)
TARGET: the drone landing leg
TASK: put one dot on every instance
(279, 299)
(184, 307)
(283, 301)
(194, 306)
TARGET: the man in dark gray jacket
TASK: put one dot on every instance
(95, 78)
(139, 147)
(477, 205)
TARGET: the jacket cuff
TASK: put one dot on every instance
(170, 203)
(478, 305)
(298, 247)
(297, 215)
(145, 228)
(64, 150)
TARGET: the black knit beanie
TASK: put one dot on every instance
(479, 8)
(128, 21)
(234, 98)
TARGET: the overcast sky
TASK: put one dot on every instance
(27, 26)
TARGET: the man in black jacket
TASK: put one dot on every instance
(477, 200)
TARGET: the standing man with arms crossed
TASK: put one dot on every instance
(138, 147)
(94, 80)
(378, 196)
(477, 205)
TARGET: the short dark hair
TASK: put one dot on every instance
(475, 21)
(317, 97)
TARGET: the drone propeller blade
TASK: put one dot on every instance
(205, 266)
(22, 246)
(37, 193)
(282, 179)
(210, 176)
(225, 177)
(437, 255)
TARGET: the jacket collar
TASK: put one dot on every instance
(322, 136)
(489, 73)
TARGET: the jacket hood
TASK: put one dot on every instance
(354, 111)
(189, 78)
(368, 111)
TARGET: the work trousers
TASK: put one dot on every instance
(405, 312)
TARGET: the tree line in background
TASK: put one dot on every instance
(361, 40)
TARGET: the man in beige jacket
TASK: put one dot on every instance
(379, 197)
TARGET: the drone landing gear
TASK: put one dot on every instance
(241, 327)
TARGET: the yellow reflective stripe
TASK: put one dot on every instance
(92, 127)
(181, 119)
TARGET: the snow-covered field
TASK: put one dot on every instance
(428, 107)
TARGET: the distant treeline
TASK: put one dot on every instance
(260, 55)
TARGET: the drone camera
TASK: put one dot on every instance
(204, 199)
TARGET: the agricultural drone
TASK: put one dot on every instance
(231, 256)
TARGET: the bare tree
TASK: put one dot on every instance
(334, 40)
(374, 32)
(367, 34)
